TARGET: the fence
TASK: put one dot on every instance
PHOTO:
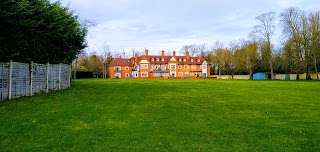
(23, 79)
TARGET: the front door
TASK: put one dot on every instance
(173, 74)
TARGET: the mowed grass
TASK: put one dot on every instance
(166, 115)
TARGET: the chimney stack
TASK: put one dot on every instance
(187, 54)
(162, 52)
(135, 57)
(174, 53)
(147, 52)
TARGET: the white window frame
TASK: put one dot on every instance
(180, 74)
(172, 66)
(157, 59)
(144, 74)
(204, 67)
(163, 67)
(126, 75)
(186, 65)
(186, 74)
(117, 67)
(162, 59)
(184, 60)
(117, 75)
(144, 66)
(126, 67)
(198, 60)
(179, 66)
(191, 60)
(152, 59)
(193, 66)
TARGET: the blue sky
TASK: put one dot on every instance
(169, 24)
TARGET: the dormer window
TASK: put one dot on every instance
(157, 59)
(128, 60)
(191, 60)
(198, 60)
(179, 59)
(162, 59)
(184, 60)
(152, 59)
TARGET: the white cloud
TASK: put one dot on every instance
(169, 24)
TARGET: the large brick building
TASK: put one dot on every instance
(153, 66)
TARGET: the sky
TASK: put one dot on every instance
(167, 25)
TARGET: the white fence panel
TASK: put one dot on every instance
(23, 79)
(4, 81)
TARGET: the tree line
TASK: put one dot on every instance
(298, 52)
(39, 31)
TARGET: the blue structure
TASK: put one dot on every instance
(259, 76)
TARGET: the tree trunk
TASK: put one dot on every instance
(219, 73)
(315, 67)
(251, 71)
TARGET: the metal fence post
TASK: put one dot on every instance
(10, 79)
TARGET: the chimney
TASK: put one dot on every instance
(135, 57)
(187, 54)
(174, 53)
(147, 52)
(162, 52)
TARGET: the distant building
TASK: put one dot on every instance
(155, 66)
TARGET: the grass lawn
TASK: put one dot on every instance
(166, 115)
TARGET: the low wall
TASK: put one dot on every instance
(241, 77)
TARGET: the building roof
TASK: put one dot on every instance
(157, 59)
(121, 62)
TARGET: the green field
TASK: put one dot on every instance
(166, 115)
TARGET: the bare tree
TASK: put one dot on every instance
(264, 31)
(105, 51)
(315, 38)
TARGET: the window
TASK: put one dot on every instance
(152, 59)
(179, 59)
(151, 67)
(191, 60)
(179, 66)
(193, 66)
(204, 67)
(200, 66)
(126, 67)
(184, 60)
(128, 60)
(162, 59)
(117, 69)
(172, 66)
(144, 74)
(165, 74)
(163, 67)
(144, 66)
(157, 59)
(186, 74)
(180, 74)
(186, 66)
(198, 60)
(118, 75)
(126, 75)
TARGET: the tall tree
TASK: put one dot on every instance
(39, 31)
(265, 31)
(314, 18)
